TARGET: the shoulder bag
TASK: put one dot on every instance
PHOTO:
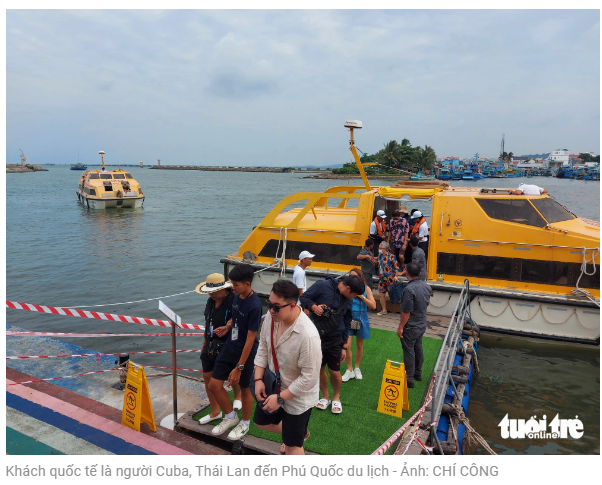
(271, 380)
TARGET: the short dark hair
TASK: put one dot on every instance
(396, 213)
(286, 289)
(413, 269)
(355, 284)
(241, 273)
(412, 211)
(369, 242)
(414, 241)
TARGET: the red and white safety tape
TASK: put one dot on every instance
(170, 368)
(61, 377)
(382, 449)
(97, 315)
(15, 357)
(11, 333)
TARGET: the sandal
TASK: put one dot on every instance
(336, 404)
(380, 314)
(323, 404)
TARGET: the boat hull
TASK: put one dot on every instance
(510, 312)
(97, 203)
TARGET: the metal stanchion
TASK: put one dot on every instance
(174, 373)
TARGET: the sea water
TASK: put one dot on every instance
(61, 254)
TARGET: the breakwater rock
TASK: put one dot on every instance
(221, 169)
(18, 168)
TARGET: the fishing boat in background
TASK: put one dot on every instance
(78, 166)
(422, 177)
(467, 175)
(533, 266)
(444, 174)
(102, 189)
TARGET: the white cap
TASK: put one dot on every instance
(305, 254)
(381, 214)
(416, 215)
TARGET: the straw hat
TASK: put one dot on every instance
(404, 209)
(214, 282)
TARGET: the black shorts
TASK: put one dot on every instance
(294, 426)
(207, 362)
(331, 352)
(226, 362)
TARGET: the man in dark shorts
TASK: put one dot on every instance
(218, 322)
(235, 362)
(412, 325)
(334, 294)
(299, 357)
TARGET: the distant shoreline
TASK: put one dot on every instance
(334, 176)
(18, 168)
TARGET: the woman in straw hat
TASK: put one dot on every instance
(218, 321)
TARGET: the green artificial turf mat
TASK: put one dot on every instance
(360, 429)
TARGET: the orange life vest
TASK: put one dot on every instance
(380, 226)
(417, 225)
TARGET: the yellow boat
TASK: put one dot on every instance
(103, 189)
(532, 265)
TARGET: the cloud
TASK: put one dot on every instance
(235, 84)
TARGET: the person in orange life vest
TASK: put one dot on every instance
(378, 228)
(421, 231)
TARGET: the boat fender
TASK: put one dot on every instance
(119, 194)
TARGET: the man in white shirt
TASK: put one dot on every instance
(422, 233)
(526, 189)
(378, 228)
(305, 260)
(298, 352)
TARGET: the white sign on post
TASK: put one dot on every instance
(170, 314)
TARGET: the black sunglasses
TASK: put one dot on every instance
(276, 307)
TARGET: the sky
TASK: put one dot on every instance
(274, 87)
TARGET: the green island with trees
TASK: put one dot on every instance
(393, 158)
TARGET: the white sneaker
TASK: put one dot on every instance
(207, 419)
(358, 374)
(238, 432)
(349, 374)
(225, 425)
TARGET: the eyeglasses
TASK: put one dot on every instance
(276, 307)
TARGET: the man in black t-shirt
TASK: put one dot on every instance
(235, 362)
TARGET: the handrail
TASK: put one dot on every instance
(446, 357)
(308, 230)
(517, 243)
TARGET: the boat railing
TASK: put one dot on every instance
(445, 359)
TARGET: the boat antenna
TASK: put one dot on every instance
(356, 125)
(102, 158)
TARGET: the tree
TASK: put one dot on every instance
(389, 155)
(426, 157)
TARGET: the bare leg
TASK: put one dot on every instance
(359, 342)
(336, 379)
(236, 389)
(383, 302)
(324, 382)
(221, 395)
(247, 403)
(215, 409)
(294, 450)
(274, 428)
(349, 354)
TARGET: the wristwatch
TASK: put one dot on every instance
(280, 400)
(240, 366)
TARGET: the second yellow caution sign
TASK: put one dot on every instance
(137, 407)
(394, 390)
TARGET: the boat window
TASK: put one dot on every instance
(106, 176)
(552, 210)
(519, 211)
(558, 273)
(118, 176)
(330, 253)
(94, 176)
(128, 176)
(86, 190)
(92, 191)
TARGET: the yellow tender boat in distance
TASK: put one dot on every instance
(113, 188)
(533, 266)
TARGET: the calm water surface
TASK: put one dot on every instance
(58, 253)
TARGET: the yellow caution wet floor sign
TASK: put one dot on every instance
(137, 407)
(393, 390)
